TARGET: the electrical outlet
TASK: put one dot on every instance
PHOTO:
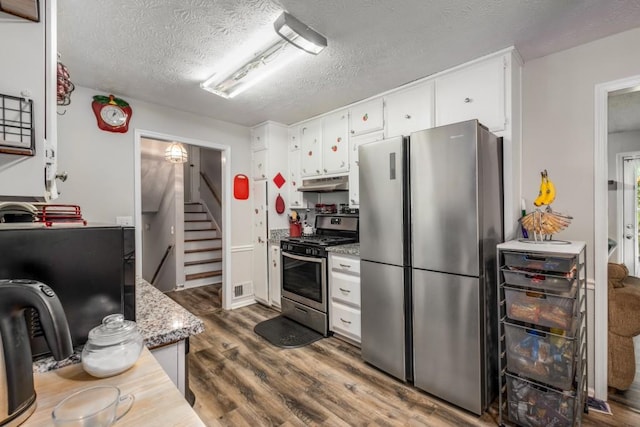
(124, 220)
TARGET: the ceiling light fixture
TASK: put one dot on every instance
(277, 54)
(175, 153)
(298, 34)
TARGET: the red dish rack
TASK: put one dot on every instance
(49, 214)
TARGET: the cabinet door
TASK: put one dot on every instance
(260, 252)
(476, 92)
(409, 110)
(335, 143)
(259, 164)
(295, 196)
(294, 138)
(259, 136)
(310, 144)
(366, 117)
(354, 170)
(275, 285)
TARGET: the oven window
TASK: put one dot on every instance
(302, 278)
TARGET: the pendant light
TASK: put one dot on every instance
(175, 153)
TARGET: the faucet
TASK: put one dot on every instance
(17, 393)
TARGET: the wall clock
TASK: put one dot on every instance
(113, 114)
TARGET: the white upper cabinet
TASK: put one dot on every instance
(366, 117)
(335, 143)
(474, 92)
(260, 137)
(259, 165)
(294, 138)
(311, 150)
(294, 180)
(354, 170)
(29, 70)
(409, 110)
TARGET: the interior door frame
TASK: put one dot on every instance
(225, 158)
(601, 209)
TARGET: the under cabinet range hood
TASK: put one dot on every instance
(324, 185)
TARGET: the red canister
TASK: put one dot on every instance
(295, 230)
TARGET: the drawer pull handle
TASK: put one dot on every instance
(345, 266)
(467, 100)
(346, 291)
(345, 321)
(407, 116)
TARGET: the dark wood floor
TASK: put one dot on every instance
(239, 379)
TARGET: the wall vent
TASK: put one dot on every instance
(242, 290)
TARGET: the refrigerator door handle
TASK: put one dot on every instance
(392, 165)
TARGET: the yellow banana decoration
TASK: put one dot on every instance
(547, 193)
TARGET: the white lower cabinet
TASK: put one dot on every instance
(275, 282)
(172, 359)
(344, 291)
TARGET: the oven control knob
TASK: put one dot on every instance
(308, 251)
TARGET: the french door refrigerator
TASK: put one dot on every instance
(446, 208)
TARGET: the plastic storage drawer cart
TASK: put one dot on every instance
(542, 308)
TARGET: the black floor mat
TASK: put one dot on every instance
(286, 333)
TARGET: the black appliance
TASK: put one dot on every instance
(90, 268)
(17, 393)
(305, 270)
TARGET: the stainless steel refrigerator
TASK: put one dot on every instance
(430, 220)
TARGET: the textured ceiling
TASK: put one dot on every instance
(160, 50)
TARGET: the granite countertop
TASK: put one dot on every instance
(160, 320)
(350, 249)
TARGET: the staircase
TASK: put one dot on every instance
(202, 247)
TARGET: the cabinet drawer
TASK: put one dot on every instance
(345, 288)
(345, 264)
(346, 321)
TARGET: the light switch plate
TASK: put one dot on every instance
(124, 220)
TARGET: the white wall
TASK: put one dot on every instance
(558, 124)
(101, 164)
(558, 135)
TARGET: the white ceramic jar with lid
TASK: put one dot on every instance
(112, 347)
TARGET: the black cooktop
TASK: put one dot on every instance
(321, 240)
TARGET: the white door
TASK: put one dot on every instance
(631, 173)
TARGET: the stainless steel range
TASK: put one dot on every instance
(305, 270)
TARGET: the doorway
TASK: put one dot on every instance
(629, 169)
(180, 172)
(603, 201)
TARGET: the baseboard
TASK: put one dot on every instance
(243, 303)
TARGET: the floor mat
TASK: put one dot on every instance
(286, 333)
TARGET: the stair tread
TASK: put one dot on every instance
(202, 240)
(190, 251)
(197, 220)
(203, 275)
(204, 261)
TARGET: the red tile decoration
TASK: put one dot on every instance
(279, 180)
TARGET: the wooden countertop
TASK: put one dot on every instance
(157, 401)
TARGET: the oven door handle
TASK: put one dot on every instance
(303, 258)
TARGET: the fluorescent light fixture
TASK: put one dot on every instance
(277, 54)
(299, 34)
(228, 84)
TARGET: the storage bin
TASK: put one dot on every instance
(541, 308)
(541, 356)
(533, 405)
(555, 263)
(539, 280)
